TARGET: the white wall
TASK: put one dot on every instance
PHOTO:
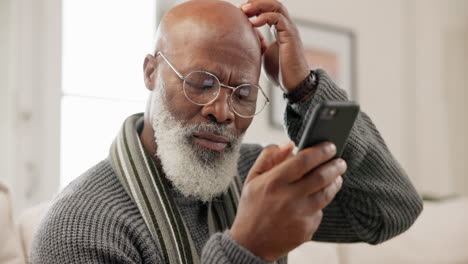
(6, 94)
(30, 98)
(441, 91)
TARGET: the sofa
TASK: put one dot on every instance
(11, 247)
(439, 236)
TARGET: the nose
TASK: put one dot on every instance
(219, 110)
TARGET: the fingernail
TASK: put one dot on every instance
(339, 180)
(285, 145)
(330, 148)
(341, 163)
(245, 6)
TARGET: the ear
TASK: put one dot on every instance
(149, 70)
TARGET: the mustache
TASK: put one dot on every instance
(217, 129)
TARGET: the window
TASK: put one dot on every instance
(104, 45)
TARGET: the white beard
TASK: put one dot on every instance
(194, 170)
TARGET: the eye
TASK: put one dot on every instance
(201, 81)
(246, 94)
(207, 84)
(243, 92)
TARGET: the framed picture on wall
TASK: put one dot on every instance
(327, 47)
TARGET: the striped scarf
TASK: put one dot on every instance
(142, 181)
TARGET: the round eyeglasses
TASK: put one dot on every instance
(203, 88)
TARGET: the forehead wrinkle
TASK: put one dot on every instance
(186, 37)
(206, 23)
(227, 75)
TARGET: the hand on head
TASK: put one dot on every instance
(287, 49)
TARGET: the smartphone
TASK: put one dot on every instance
(330, 121)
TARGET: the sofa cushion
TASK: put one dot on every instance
(11, 250)
(439, 236)
(314, 252)
(28, 223)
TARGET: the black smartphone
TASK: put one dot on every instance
(330, 121)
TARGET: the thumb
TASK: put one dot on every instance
(269, 158)
(263, 43)
(271, 63)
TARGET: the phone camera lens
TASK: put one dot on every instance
(328, 113)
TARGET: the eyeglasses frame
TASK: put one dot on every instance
(184, 78)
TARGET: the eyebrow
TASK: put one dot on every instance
(218, 69)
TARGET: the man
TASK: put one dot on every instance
(170, 190)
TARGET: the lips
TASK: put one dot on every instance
(211, 141)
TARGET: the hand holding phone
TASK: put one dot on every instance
(330, 121)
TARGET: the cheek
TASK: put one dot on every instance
(242, 124)
(179, 106)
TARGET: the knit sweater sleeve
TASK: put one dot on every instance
(222, 248)
(377, 200)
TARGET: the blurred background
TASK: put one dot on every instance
(71, 71)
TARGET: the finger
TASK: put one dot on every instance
(287, 32)
(263, 42)
(320, 177)
(269, 158)
(320, 200)
(271, 18)
(256, 7)
(314, 219)
(296, 167)
(271, 63)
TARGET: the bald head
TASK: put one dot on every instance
(210, 27)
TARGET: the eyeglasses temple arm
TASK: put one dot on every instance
(268, 99)
(170, 65)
